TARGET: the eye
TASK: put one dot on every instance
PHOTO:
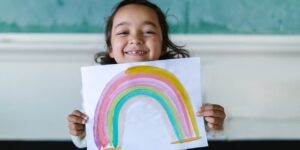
(123, 33)
(149, 32)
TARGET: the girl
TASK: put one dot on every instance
(137, 31)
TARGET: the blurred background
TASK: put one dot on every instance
(250, 53)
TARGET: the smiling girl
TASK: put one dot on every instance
(137, 31)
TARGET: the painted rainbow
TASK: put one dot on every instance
(157, 83)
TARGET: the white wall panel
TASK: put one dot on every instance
(256, 79)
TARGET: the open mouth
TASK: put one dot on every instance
(136, 52)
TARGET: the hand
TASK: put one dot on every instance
(77, 122)
(213, 114)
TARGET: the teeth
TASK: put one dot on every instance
(136, 52)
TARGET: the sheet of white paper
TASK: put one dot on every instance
(144, 123)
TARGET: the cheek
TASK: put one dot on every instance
(117, 45)
(114, 51)
(155, 44)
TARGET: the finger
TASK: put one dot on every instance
(211, 113)
(79, 114)
(76, 126)
(76, 119)
(76, 116)
(214, 120)
(214, 126)
(77, 132)
(212, 107)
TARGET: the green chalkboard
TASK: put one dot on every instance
(184, 16)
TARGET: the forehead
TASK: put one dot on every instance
(135, 13)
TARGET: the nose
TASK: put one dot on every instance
(136, 39)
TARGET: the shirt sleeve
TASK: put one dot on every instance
(79, 141)
(215, 134)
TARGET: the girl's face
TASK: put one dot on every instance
(136, 35)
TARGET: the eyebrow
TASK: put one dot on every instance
(121, 24)
(144, 23)
(150, 23)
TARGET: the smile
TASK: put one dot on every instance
(136, 52)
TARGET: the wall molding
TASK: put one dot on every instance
(197, 44)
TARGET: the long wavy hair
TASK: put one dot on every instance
(169, 49)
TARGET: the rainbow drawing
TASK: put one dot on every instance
(159, 84)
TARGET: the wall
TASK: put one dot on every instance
(187, 16)
(256, 78)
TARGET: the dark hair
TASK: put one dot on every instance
(170, 49)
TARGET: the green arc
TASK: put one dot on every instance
(131, 92)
